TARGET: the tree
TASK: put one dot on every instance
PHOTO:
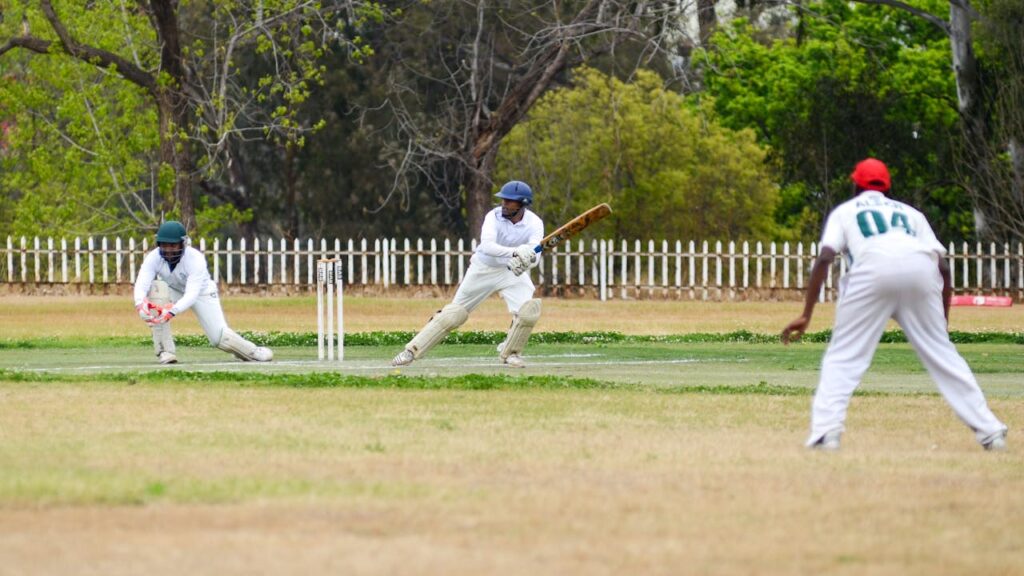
(187, 58)
(854, 82)
(667, 168)
(992, 162)
(464, 74)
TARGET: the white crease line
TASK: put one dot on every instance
(349, 367)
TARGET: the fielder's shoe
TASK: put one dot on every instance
(262, 354)
(829, 442)
(996, 444)
(166, 358)
(515, 361)
(404, 358)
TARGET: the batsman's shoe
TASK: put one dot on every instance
(829, 442)
(996, 443)
(501, 347)
(167, 358)
(515, 361)
(404, 358)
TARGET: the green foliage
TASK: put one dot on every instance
(845, 81)
(667, 168)
(81, 151)
(396, 381)
(84, 156)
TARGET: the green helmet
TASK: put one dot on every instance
(171, 231)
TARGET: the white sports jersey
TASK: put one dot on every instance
(500, 236)
(871, 223)
(190, 277)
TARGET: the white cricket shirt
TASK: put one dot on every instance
(190, 276)
(871, 223)
(500, 236)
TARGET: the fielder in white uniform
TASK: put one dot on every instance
(508, 237)
(174, 278)
(896, 270)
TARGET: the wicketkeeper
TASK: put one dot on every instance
(174, 278)
(508, 237)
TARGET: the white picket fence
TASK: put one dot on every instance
(604, 268)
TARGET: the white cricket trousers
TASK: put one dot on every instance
(481, 281)
(211, 317)
(907, 288)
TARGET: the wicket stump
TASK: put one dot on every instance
(329, 287)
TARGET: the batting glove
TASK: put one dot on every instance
(526, 253)
(517, 265)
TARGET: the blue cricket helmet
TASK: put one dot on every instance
(518, 191)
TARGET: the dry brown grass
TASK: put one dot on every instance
(530, 482)
(29, 316)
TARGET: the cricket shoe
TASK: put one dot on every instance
(515, 361)
(828, 443)
(996, 443)
(404, 358)
(262, 354)
(166, 358)
(501, 347)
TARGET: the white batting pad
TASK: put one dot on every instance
(447, 319)
(232, 343)
(522, 325)
(159, 293)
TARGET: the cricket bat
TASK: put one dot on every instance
(573, 227)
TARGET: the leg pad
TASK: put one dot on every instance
(447, 319)
(522, 325)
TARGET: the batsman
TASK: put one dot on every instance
(173, 278)
(507, 249)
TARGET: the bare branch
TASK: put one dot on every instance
(32, 43)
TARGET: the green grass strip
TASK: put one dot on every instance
(461, 382)
(398, 338)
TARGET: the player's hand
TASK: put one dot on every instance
(795, 329)
(517, 265)
(525, 252)
(163, 317)
(145, 310)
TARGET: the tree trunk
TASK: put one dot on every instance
(479, 188)
(1017, 166)
(970, 105)
(173, 106)
(174, 153)
(706, 19)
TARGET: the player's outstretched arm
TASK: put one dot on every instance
(947, 286)
(819, 272)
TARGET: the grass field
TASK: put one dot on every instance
(631, 457)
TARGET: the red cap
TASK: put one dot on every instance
(871, 174)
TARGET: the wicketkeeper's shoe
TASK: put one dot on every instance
(829, 442)
(996, 443)
(262, 354)
(166, 358)
(515, 361)
(404, 358)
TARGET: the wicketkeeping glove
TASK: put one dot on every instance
(164, 317)
(145, 310)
